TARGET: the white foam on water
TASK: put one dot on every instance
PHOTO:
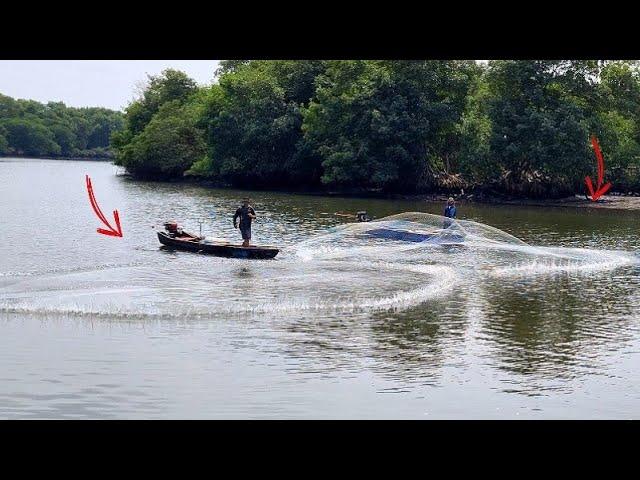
(439, 279)
(569, 260)
(432, 281)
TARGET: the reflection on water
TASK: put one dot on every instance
(339, 325)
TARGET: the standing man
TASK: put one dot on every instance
(246, 214)
(450, 212)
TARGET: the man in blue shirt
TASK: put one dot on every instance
(449, 212)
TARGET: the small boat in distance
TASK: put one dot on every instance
(178, 239)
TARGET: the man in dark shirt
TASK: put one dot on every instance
(450, 209)
(449, 212)
(246, 214)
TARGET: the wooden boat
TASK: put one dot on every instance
(193, 243)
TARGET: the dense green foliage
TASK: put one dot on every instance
(167, 145)
(31, 128)
(161, 137)
(387, 125)
(253, 120)
(511, 127)
(540, 133)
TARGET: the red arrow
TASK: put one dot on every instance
(92, 198)
(602, 189)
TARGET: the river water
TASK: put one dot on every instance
(100, 327)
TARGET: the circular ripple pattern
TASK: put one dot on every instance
(394, 263)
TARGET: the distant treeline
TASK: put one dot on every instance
(520, 128)
(34, 129)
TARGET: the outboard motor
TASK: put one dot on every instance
(172, 228)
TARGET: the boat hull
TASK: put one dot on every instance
(219, 249)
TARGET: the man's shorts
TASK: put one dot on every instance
(246, 233)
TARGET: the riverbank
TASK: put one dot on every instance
(74, 158)
(614, 201)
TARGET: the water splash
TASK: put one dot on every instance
(391, 264)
